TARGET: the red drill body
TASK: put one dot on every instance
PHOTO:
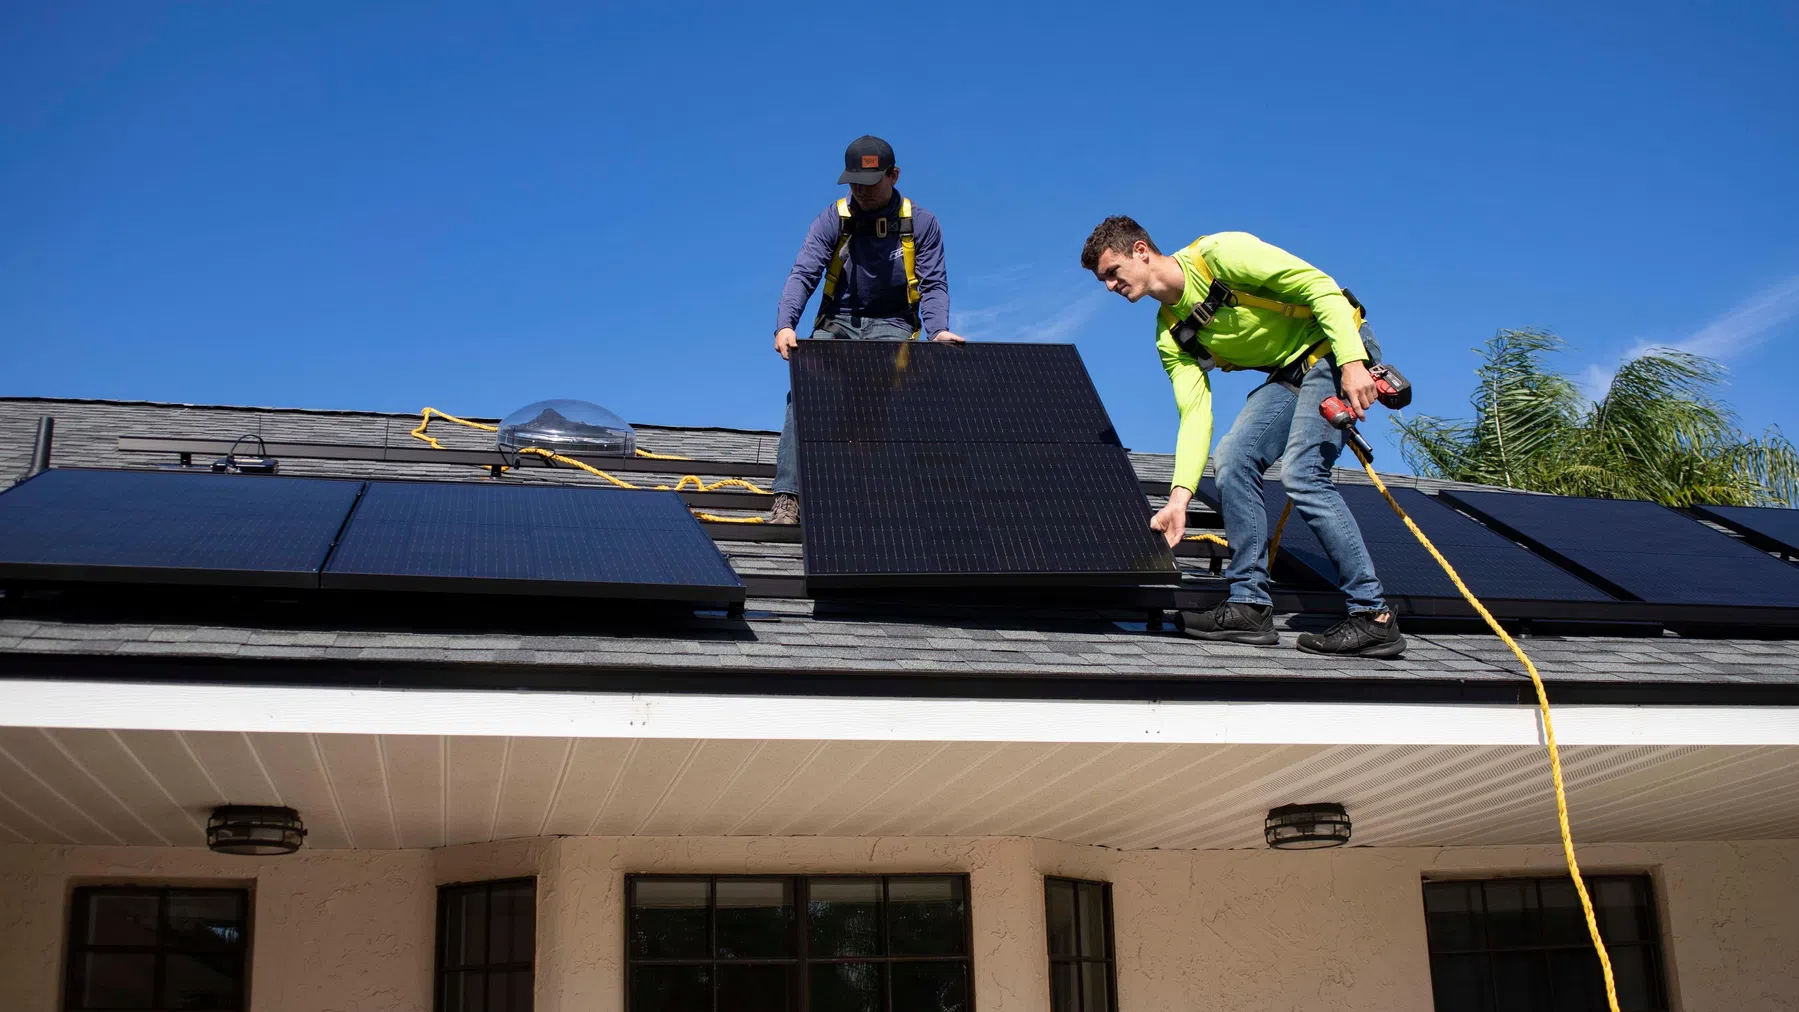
(1391, 388)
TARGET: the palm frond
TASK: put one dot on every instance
(1659, 432)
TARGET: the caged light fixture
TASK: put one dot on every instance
(1307, 827)
(254, 829)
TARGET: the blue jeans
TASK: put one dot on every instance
(842, 328)
(1276, 422)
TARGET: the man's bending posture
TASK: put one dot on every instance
(1233, 301)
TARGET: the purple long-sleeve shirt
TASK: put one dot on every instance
(874, 272)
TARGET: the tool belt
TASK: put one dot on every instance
(1294, 373)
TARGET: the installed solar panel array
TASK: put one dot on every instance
(976, 465)
(1643, 551)
(167, 527)
(511, 539)
(236, 530)
(1509, 580)
(1776, 530)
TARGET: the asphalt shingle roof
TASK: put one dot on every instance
(781, 637)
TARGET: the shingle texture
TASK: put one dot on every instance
(785, 636)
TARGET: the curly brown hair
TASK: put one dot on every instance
(1118, 234)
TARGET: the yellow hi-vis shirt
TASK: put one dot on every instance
(1244, 336)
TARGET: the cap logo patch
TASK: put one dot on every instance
(871, 161)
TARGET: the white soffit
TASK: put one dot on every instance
(364, 791)
(65, 704)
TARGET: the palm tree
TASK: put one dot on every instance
(1658, 433)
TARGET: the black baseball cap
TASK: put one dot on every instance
(866, 160)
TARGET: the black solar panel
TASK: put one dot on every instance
(171, 527)
(1640, 549)
(1775, 530)
(511, 539)
(1493, 567)
(889, 391)
(983, 464)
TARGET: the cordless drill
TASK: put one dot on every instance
(1391, 388)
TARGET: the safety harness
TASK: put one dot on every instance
(847, 228)
(1220, 295)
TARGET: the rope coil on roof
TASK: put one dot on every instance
(698, 483)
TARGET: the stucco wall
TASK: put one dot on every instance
(332, 931)
(347, 931)
(1344, 929)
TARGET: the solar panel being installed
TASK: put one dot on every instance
(532, 539)
(1641, 550)
(975, 465)
(1767, 528)
(170, 527)
(1508, 579)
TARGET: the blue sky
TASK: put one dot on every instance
(385, 205)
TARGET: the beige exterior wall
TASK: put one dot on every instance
(1344, 929)
(351, 931)
(343, 930)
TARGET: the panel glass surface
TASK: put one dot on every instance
(982, 392)
(1765, 527)
(529, 539)
(963, 464)
(171, 526)
(1643, 549)
(1492, 566)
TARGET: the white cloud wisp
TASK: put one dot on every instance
(1737, 332)
(1049, 315)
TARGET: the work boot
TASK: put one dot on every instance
(1361, 635)
(787, 509)
(1234, 621)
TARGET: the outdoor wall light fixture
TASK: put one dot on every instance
(254, 829)
(1307, 827)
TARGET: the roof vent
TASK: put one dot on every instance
(574, 428)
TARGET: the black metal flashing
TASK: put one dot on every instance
(864, 684)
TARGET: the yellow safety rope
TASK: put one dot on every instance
(425, 420)
(1536, 680)
(1274, 543)
(698, 484)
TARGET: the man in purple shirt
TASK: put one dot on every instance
(884, 259)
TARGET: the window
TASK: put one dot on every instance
(1522, 944)
(1082, 975)
(893, 943)
(157, 949)
(486, 940)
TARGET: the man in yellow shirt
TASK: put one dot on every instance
(1232, 301)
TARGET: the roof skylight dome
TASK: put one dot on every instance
(575, 428)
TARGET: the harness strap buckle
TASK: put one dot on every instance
(1186, 332)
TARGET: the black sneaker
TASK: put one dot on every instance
(1357, 636)
(1234, 621)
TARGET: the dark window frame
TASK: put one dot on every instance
(1110, 959)
(439, 969)
(77, 948)
(800, 886)
(1648, 913)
